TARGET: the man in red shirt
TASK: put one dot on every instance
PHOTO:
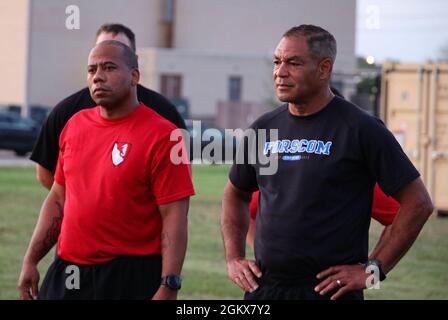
(118, 206)
(384, 210)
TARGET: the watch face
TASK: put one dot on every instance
(174, 282)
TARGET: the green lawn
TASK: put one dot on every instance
(422, 274)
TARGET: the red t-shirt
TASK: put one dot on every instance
(384, 208)
(116, 173)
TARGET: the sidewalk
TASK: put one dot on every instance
(9, 159)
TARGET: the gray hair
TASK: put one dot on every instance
(321, 43)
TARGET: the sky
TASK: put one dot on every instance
(410, 31)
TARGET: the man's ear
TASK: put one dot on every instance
(135, 73)
(325, 69)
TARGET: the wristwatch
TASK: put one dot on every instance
(378, 264)
(172, 281)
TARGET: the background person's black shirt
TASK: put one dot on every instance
(46, 149)
(315, 211)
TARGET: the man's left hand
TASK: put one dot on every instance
(343, 279)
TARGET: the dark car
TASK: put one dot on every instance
(17, 133)
(204, 134)
(37, 113)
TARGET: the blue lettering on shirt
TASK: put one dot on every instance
(292, 158)
(323, 148)
(303, 145)
(298, 146)
(294, 146)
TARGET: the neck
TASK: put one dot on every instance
(311, 105)
(120, 109)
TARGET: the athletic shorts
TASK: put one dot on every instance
(270, 289)
(126, 277)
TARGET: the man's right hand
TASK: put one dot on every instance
(29, 282)
(243, 272)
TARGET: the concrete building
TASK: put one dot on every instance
(43, 61)
(204, 78)
(204, 51)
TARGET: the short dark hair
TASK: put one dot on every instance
(116, 28)
(129, 57)
(321, 43)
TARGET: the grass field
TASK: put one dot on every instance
(422, 274)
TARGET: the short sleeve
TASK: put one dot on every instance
(170, 179)
(384, 208)
(59, 175)
(253, 206)
(242, 173)
(46, 148)
(385, 159)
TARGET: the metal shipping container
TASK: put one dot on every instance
(414, 106)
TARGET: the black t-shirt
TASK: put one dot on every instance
(46, 149)
(314, 212)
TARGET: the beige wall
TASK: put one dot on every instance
(58, 56)
(13, 57)
(205, 76)
(232, 37)
(255, 26)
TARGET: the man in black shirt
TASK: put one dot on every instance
(311, 238)
(46, 149)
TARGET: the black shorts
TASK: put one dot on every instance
(126, 277)
(270, 289)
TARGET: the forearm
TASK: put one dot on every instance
(234, 223)
(174, 242)
(47, 230)
(381, 242)
(404, 230)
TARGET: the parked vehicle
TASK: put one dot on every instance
(38, 113)
(17, 133)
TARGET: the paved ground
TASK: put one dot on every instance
(8, 158)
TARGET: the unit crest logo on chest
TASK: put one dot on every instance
(119, 152)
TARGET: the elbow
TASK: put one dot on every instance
(39, 177)
(430, 207)
(426, 207)
(44, 179)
